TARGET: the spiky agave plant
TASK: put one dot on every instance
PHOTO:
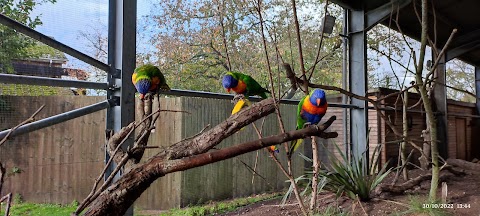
(354, 178)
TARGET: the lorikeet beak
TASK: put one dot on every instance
(228, 90)
(318, 102)
(142, 96)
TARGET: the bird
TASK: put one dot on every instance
(243, 84)
(310, 110)
(148, 78)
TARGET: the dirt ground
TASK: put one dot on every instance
(463, 197)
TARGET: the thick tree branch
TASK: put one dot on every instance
(118, 197)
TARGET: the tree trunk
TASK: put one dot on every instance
(427, 104)
(403, 153)
(316, 167)
(424, 158)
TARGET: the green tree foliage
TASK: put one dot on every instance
(460, 76)
(198, 41)
(12, 44)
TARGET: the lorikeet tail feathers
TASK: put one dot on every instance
(294, 146)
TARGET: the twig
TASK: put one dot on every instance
(320, 43)
(7, 197)
(30, 119)
(300, 52)
(360, 203)
(450, 38)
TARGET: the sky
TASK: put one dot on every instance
(65, 19)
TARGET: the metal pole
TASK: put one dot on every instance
(358, 83)
(51, 42)
(189, 93)
(346, 139)
(44, 81)
(46, 122)
(440, 98)
(121, 55)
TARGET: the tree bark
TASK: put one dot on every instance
(118, 197)
(403, 145)
(316, 167)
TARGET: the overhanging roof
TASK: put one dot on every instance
(460, 14)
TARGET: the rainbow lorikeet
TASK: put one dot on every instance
(243, 84)
(148, 78)
(310, 110)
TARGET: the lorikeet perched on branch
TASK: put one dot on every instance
(243, 84)
(148, 78)
(310, 110)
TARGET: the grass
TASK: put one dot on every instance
(332, 210)
(19, 208)
(33, 209)
(220, 207)
(419, 205)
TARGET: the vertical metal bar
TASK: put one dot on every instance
(121, 56)
(345, 82)
(477, 87)
(440, 98)
(358, 83)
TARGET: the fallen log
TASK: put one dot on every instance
(400, 189)
(464, 164)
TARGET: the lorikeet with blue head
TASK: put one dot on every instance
(310, 111)
(243, 84)
(148, 78)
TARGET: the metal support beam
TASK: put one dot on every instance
(440, 99)
(358, 83)
(46, 122)
(44, 81)
(381, 13)
(51, 42)
(460, 50)
(121, 55)
(477, 87)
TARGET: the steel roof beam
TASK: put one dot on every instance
(52, 42)
(45, 81)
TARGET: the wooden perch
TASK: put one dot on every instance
(191, 153)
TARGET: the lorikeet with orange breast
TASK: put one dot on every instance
(244, 84)
(310, 110)
(148, 78)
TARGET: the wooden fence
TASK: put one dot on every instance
(59, 164)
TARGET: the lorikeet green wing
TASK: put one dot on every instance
(300, 122)
(310, 110)
(243, 84)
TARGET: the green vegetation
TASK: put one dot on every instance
(354, 178)
(332, 210)
(421, 206)
(32, 209)
(220, 207)
(14, 45)
(30, 90)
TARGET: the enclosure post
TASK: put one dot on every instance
(440, 100)
(358, 83)
(345, 82)
(121, 58)
(477, 87)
